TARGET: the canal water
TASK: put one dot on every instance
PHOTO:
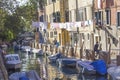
(49, 71)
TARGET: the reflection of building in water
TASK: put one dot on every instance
(69, 77)
(53, 73)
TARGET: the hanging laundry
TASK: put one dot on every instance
(51, 25)
(76, 24)
(82, 24)
(68, 26)
(86, 23)
(35, 24)
(62, 25)
(90, 22)
(56, 25)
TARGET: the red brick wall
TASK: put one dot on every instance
(113, 16)
(113, 5)
(110, 3)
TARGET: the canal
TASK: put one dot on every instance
(49, 71)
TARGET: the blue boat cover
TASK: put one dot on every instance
(23, 78)
(68, 61)
(58, 55)
(86, 64)
(100, 66)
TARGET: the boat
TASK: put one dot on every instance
(114, 72)
(92, 67)
(67, 62)
(54, 57)
(34, 50)
(25, 48)
(40, 53)
(91, 77)
(85, 67)
(12, 61)
(25, 75)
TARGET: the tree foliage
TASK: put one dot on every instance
(15, 18)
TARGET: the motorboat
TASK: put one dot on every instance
(92, 67)
(85, 67)
(25, 75)
(34, 50)
(25, 48)
(12, 61)
(114, 72)
(53, 58)
(68, 62)
(91, 77)
(40, 53)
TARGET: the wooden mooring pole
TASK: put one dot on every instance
(3, 69)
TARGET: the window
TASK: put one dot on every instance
(82, 14)
(57, 16)
(53, 0)
(88, 36)
(54, 17)
(75, 37)
(48, 34)
(70, 16)
(98, 18)
(50, 1)
(118, 19)
(37, 30)
(108, 40)
(108, 17)
(67, 16)
(55, 32)
(99, 38)
(96, 38)
(83, 36)
(51, 34)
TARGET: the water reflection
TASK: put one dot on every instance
(91, 77)
(72, 74)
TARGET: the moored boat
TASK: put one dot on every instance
(85, 67)
(12, 61)
(25, 75)
(53, 58)
(114, 72)
(92, 67)
(68, 62)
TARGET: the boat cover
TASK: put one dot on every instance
(114, 72)
(100, 66)
(27, 75)
(69, 61)
(23, 78)
(86, 64)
